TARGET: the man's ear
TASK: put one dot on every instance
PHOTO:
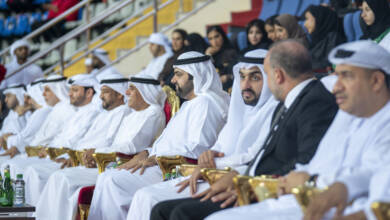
(279, 75)
(378, 80)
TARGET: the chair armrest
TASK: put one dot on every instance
(381, 210)
(213, 175)
(103, 159)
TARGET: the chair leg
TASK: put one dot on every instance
(84, 211)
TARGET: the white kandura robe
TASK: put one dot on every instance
(24, 137)
(14, 123)
(72, 131)
(190, 132)
(70, 180)
(350, 152)
(240, 139)
(54, 123)
(155, 66)
(59, 197)
(24, 76)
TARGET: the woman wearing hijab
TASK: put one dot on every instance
(223, 54)
(269, 27)
(326, 33)
(376, 17)
(3, 109)
(287, 27)
(256, 36)
(195, 42)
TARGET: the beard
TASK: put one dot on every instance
(184, 90)
(251, 102)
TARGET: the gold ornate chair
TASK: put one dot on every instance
(172, 104)
(55, 152)
(303, 194)
(167, 164)
(33, 151)
(381, 210)
(213, 175)
(255, 188)
(186, 169)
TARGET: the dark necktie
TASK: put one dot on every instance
(274, 127)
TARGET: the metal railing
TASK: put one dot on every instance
(165, 29)
(52, 22)
(59, 43)
(105, 35)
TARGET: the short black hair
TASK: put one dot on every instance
(182, 32)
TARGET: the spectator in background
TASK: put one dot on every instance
(20, 51)
(287, 27)
(88, 65)
(3, 109)
(223, 54)
(55, 9)
(178, 37)
(376, 17)
(269, 27)
(326, 33)
(195, 42)
(256, 36)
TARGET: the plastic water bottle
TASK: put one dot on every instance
(19, 191)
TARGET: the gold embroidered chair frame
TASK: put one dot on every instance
(381, 210)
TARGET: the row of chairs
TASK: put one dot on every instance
(295, 7)
(4, 5)
(20, 25)
(351, 21)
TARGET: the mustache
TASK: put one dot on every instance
(248, 90)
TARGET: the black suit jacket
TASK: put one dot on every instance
(300, 132)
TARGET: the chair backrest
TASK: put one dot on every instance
(356, 25)
(270, 7)
(290, 7)
(172, 103)
(305, 4)
(242, 40)
(348, 28)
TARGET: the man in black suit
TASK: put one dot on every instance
(305, 111)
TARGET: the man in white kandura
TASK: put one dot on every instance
(80, 94)
(34, 102)
(161, 51)
(16, 119)
(59, 196)
(250, 113)
(356, 144)
(192, 130)
(20, 51)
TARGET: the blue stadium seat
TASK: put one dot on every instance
(35, 17)
(9, 26)
(325, 2)
(348, 27)
(356, 25)
(242, 40)
(3, 5)
(270, 7)
(1, 27)
(305, 4)
(22, 25)
(290, 7)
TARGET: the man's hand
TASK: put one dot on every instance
(335, 196)
(291, 180)
(50, 7)
(11, 152)
(151, 161)
(222, 190)
(88, 159)
(141, 156)
(206, 159)
(65, 162)
(211, 50)
(192, 181)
